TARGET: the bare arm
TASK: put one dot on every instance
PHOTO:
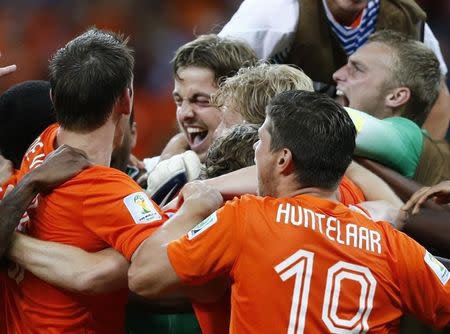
(438, 119)
(12, 207)
(6, 170)
(432, 229)
(242, 181)
(70, 267)
(151, 273)
(373, 187)
(60, 166)
(62, 265)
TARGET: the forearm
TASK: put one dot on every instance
(402, 186)
(242, 181)
(145, 276)
(373, 187)
(12, 207)
(432, 229)
(70, 267)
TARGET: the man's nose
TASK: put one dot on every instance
(186, 110)
(340, 75)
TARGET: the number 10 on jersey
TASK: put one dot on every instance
(300, 267)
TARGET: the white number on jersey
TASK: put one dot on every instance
(300, 266)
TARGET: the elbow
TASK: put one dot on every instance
(88, 284)
(136, 280)
(143, 283)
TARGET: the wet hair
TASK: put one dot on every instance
(318, 132)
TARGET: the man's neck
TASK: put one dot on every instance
(291, 188)
(344, 16)
(317, 192)
(96, 144)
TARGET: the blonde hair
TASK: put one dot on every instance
(252, 88)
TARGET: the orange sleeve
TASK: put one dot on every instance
(423, 281)
(117, 210)
(349, 192)
(210, 248)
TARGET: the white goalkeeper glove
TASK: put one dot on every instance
(169, 176)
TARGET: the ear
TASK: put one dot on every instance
(397, 97)
(125, 101)
(285, 163)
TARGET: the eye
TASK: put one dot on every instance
(202, 102)
(354, 67)
(178, 101)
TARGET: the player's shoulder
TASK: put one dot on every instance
(102, 178)
(105, 174)
(249, 199)
(249, 205)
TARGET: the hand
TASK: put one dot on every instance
(6, 169)
(61, 165)
(7, 70)
(199, 199)
(440, 193)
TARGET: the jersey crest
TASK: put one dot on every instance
(141, 208)
(203, 226)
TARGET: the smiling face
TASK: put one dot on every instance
(196, 118)
(363, 82)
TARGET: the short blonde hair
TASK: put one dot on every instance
(252, 88)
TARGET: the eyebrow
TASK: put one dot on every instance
(356, 63)
(195, 96)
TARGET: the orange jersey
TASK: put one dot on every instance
(99, 208)
(309, 265)
(349, 193)
(214, 317)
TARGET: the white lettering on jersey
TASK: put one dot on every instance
(345, 234)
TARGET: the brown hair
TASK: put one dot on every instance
(87, 76)
(224, 56)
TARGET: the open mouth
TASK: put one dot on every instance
(341, 98)
(196, 135)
